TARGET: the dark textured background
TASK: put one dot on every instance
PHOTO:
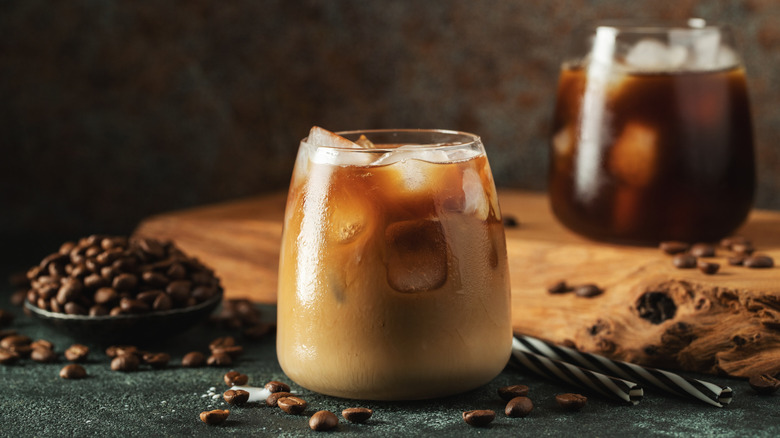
(114, 110)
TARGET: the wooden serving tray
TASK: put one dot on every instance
(724, 323)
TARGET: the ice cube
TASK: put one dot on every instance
(416, 258)
(633, 156)
(364, 142)
(563, 143)
(322, 137)
(351, 215)
(476, 201)
(653, 55)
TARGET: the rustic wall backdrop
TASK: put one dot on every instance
(114, 110)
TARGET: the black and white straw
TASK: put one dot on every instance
(664, 380)
(607, 386)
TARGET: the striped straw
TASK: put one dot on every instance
(670, 382)
(607, 386)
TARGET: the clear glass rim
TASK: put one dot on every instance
(467, 140)
(657, 26)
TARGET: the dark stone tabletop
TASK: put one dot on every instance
(35, 401)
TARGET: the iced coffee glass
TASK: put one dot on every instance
(652, 136)
(393, 278)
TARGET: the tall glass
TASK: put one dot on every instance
(652, 134)
(393, 277)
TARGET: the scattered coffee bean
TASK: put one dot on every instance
(43, 355)
(15, 341)
(509, 392)
(292, 404)
(22, 350)
(272, 399)
(125, 363)
(571, 402)
(743, 248)
(236, 396)
(73, 371)
(357, 415)
(217, 416)
(234, 378)
(77, 353)
(233, 351)
(193, 359)
(6, 318)
(323, 420)
(764, 384)
(588, 290)
(684, 261)
(276, 386)
(519, 407)
(8, 357)
(673, 247)
(42, 343)
(121, 350)
(737, 260)
(479, 417)
(728, 242)
(225, 341)
(759, 261)
(559, 288)
(708, 268)
(158, 361)
(702, 250)
(219, 360)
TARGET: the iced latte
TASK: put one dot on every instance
(393, 279)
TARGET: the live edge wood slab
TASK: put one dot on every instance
(650, 313)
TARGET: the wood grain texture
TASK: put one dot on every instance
(723, 323)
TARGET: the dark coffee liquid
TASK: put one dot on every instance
(646, 157)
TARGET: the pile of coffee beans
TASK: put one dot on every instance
(739, 251)
(110, 275)
(587, 290)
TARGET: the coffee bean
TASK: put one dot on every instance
(95, 281)
(6, 318)
(8, 357)
(479, 417)
(519, 407)
(233, 351)
(684, 261)
(559, 288)
(217, 416)
(162, 303)
(179, 290)
(21, 350)
(4, 333)
(743, 248)
(43, 344)
(115, 311)
(157, 360)
(193, 359)
(203, 293)
(728, 242)
(764, 384)
(73, 371)
(123, 282)
(15, 340)
(702, 250)
(106, 295)
(98, 310)
(737, 260)
(323, 420)
(131, 306)
(588, 290)
(69, 291)
(571, 402)
(759, 261)
(149, 296)
(673, 247)
(357, 415)
(121, 350)
(509, 392)
(708, 268)
(225, 341)
(292, 404)
(276, 386)
(176, 272)
(219, 360)
(152, 247)
(155, 279)
(77, 353)
(236, 396)
(234, 378)
(272, 399)
(125, 363)
(73, 308)
(43, 355)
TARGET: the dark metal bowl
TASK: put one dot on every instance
(118, 329)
